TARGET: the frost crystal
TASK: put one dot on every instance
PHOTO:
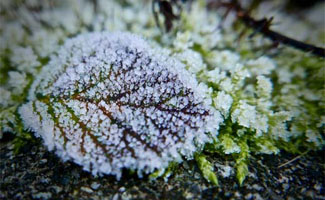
(109, 101)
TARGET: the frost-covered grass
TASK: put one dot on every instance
(268, 101)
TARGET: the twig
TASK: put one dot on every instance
(294, 159)
(263, 26)
(155, 14)
(166, 9)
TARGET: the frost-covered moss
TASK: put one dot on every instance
(268, 101)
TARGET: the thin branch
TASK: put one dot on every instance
(155, 14)
(263, 26)
(166, 9)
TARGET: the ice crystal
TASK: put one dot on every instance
(110, 101)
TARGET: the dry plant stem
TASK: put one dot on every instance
(263, 26)
(294, 159)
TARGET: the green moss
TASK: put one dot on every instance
(164, 173)
(206, 169)
(22, 136)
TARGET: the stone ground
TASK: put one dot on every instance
(36, 173)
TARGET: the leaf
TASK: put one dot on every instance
(109, 101)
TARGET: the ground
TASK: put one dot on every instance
(36, 173)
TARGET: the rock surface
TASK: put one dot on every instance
(36, 173)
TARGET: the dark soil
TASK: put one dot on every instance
(36, 173)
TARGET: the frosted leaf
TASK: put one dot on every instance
(109, 101)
